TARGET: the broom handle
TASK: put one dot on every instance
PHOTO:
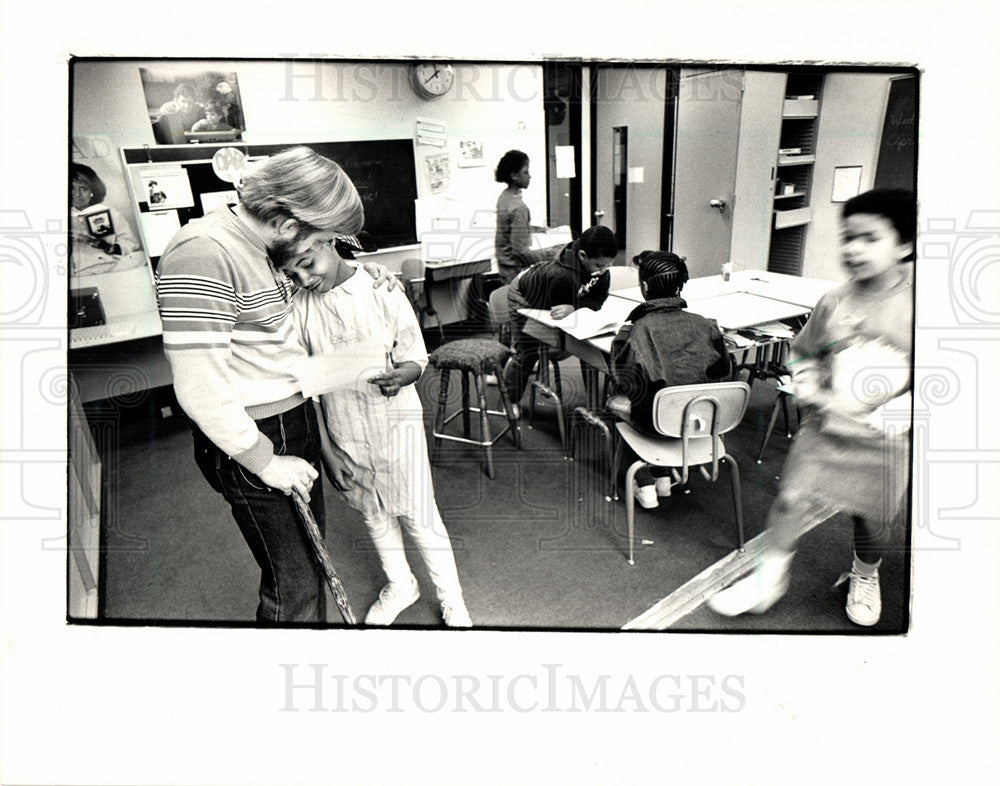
(323, 557)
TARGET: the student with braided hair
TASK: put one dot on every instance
(662, 346)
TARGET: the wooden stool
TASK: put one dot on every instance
(475, 358)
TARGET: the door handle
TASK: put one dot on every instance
(718, 203)
(598, 215)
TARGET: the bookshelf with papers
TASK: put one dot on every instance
(794, 171)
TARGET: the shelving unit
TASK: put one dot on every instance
(796, 154)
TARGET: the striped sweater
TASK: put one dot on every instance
(228, 333)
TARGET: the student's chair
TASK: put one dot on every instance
(690, 421)
(500, 315)
(413, 275)
(623, 277)
(473, 359)
(548, 361)
(784, 393)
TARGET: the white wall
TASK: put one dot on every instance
(850, 127)
(632, 96)
(304, 101)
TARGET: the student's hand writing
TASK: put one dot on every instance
(381, 275)
(561, 311)
(287, 472)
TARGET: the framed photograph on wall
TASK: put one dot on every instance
(193, 106)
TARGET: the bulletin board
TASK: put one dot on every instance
(383, 171)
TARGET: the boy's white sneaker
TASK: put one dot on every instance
(391, 601)
(757, 592)
(646, 496)
(864, 598)
(455, 614)
(663, 486)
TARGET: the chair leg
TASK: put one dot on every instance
(615, 463)
(484, 423)
(466, 413)
(783, 398)
(737, 497)
(770, 427)
(515, 424)
(443, 380)
(630, 506)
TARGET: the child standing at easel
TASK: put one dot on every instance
(374, 447)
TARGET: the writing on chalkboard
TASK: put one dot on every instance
(897, 156)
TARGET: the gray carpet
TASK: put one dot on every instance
(537, 547)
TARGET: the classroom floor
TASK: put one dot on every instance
(537, 547)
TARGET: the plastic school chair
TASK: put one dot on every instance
(690, 421)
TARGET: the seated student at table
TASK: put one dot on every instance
(578, 277)
(664, 346)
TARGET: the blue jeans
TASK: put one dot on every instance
(291, 581)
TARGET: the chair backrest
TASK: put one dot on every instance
(499, 310)
(700, 410)
(623, 277)
(412, 270)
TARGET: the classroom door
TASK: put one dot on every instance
(704, 167)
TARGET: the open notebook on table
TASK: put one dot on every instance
(585, 323)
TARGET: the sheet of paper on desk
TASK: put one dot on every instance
(586, 323)
(347, 370)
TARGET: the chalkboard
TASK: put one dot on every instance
(897, 153)
(383, 171)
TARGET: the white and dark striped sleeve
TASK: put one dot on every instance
(199, 305)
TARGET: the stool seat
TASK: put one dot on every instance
(475, 355)
(473, 358)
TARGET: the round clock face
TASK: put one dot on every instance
(431, 80)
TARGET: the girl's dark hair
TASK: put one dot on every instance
(598, 241)
(896, 205)
(663, 272)
(96, 184)
(511, 162)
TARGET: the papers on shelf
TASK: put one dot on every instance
(775, 329)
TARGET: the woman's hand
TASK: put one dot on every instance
(289, 472)
(381, 275)
(561, 312)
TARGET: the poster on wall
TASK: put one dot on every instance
(103, 236)
(188, 107)
(470, 153)
(438, 170)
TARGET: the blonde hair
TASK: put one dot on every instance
(301, 184)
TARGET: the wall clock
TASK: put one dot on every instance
(431, 80)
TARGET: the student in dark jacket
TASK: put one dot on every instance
(577, 278)
(664, 346)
